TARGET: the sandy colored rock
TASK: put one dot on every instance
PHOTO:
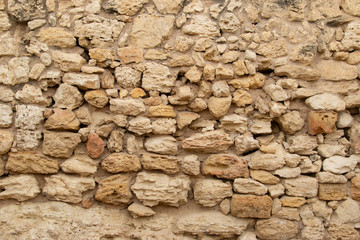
(355, 187)
(67, 96)
(275, 228)
(298, 72)
(167, 7)
(95, 145)
(115, 190)
(140, 125)
(326, 101)
(57, 37)
(19, 187)
(210, 192)
(218, 107)
(302, 144)
(31, 162)
(62, 120)
(327, 177)
(130, 54)
(121, 162)
(273, 49)
(31, 94)
(249, 82)
(80, 164)
(263, 177)
(60, 144)
(226, 166)
(332, 192)
(27, 139)
(125, 7)
(67, 188)
(251, 206)
(6, 141)
(155, 188)
(67, 62)
(342, 231)
(16, 72)
(181, 61)
(97, 98)
(249, 186)
(336, 70)
(148, 31)
(28, 117)
(340, 165)
(294, 202)
(101, 54)
(201, 25)
(167, 164)
(7, 94)
(291, 122)
(245, 143)
(161, 111)
(241, 98)
(228, 22)
(164, 126)
(322, 122)
(137, 210)
(234, 123)
(82, 80)
(162, 144)
(266, 161)
(209, 142)
(157, 77)
(131, 107)
(287, 172)
(302, 186)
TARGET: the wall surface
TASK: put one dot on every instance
(181, 119)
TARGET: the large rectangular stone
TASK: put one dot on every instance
(251, 206)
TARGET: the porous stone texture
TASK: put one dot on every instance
(155, 119)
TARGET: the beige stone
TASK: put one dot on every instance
(302, 186)
(273, 49)
(302, 144)
(264, 177)
(210, 192)
(32, 94)
(80, 164)
(275, 228)
(16, 72)
(155, 188)
(181, 61)
(167, 164)
(121, 162)
(291, 122)
(164, 126)
(167, 7)
(62, 120)
(190, 165)
(342, 231)
(137, 210)
(101, 55)
(57, 37)
(97, 98)
(298, 72)
(27, 139)
(251, 206)
(157, 77)
(6, 141)
(161, 111)
(162, 144)
(321, 122)
(115, 141)
(201, 25)
(130, 54)
(31, 162)
(28, 117)
(67, 96)
(294, 202)
(67, 62)
(60, 144)
(115, 190)
(219, 106)
(332, 192)
(19, 187)
(131, 107)
(82, 80)
(125, 7)
(355, 187)
(249, 82)
(193, 75)
(340, 165)
(225, 166)
(209, 142)
(249, 186)
(183, 44)
(266, 161)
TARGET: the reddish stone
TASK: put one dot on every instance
(95, 145)
(322, 122)
(251, 206)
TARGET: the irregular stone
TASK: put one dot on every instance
(161, 111)
(245, 143)
(167, 164)
(302, 186)
(155, 54)
(210, 192)
(9, 46)
(121, 162)
(28, 117)
(293, 202)
(115, 190)
(351, 40)
(31, 94)
(302, 144)
(332, 192)
(67, 188)
(80, 164)
(155, 188)
(241, 98)
(67, 96)
(137, 93)
(183, 44)
(249, 186)
(36, 71)
(275, 228)
(148, 31)
(340, 165)
(251, 206)
(124, 7)
(291, 122)
(193, 75)
(234, 123)
(276, 92)
(267, 162)
(19, 187)
(130, 54)
(67, 62)
(336, 70)
(57, 37)
(132, 107)
(60, 144)
(298, 72)
(181, 61)
(101, 55)
(249, 82)
(167, 7)
(228, 22)
(27, 139)
(30, 162)
(26, 11)
(273, 49)
(7, 95)
(326, 177)
(4, 22)
(82, 80)
(342, 231)
(225, 166)
(287, 172)
(184, 94)
(219, 106)
(162, 145)
(140, 125)
(16, 72)
(97, 98)
(95, 145)
(322, 122)
(62, 120)
(347, 213)
(209, 142)
(157, 77)
(190, 165)
(223, 72)
(201, 25)
(6, 141)
(304, 54)
(164, 126)
(264, 177)
(210, 222)
(355, 187)
(137, 210)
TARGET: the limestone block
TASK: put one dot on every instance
(130, 54)
(127, 77)
(340, 165)
(132, 107)
(62, 120)
(140, 125)
(4, 22)
(210, 192)
(183, 119)
(245, 143)
(27, 139)
(264, 177)
(60, 144)
(251, 206)
(29, 117)
(201, 25)
(166, 7)
(67, 96)
(355, 187)
(6, 141)
(31, 162)
(298, 72)
(209, 142)
(7, 95)
(291, 122)
(234, 123)
(275, 228)
(348, 212)
(190, 165)
(332, 192)
(294, 202)
(97, 98)
(161, 111)
(226, 166)
(344, 231)
(16, 72)
(287, 172)
(249, 186)
(260, 126)
(82, 80)
(167, 164)
(58, 37)
(266, 161)
(302, 186)
(80, 164)
(32, 94)
(326, 177)
(273, 49)
(137, 210)
(67, 62)
(351, 40)
(20, 187)
(125, 7)
(25, 11)
(302, 144)
(228, 22)
(162, 144)
(115, 190)
(164, 126)
(121, 162)
(326, 101)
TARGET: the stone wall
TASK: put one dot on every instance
(181, 119)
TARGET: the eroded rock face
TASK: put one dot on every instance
(6, 140)
(23, 11)
(20, 187)
(31, 162)
(121, 162)
(155, 188)
(225, 166)
(275, 228)
(210, 192)
(251, 206)
(60, 144)
(125, 7)
(165, 163)
(115, 190)
(302, 186)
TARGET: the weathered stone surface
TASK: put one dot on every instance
(162, 145)
(157, 77)
(273, 49)
(322, 122)
(249, 82)
(127, 77)
(166, 7)
(82, 80)
(140, 125)
(57, 37)
(60, 144)
(190, 165)
(251, 206)
(31, 162)
(209, 142)
(20, 187)
(148, 31)
(32, 94)
(137, 210)
(67, 62)
(125, 7)
(326, 101)
(22, 11)
(228, 22)
(302, 186)
(115, 190)
(298, 72)
(340, 165)
(260, 126)
(6, 141)
(130, 107)
(181, 61)
(130, 54)
(201, 25)
(80, 164)
(249, 186)
(336, 70)
(27, 139)
(302, 144)
(67, 188)
(28, 117)
(276, 92)
(97, 98)
(4, 22)
(7, 95)
(219, 106)
(245, 143)
(332, 192)
(167, 164)
(95, 145)
(294, 202)
(185, 118)
(355, 188)
(348, 212)
(275, 228)
(225, 166)
(164, 126)
(351, 40)
(342, 231)
(16, 72)
(210, 192)
(9, 45)
(266, 161)
(155, 188)
(62, 120)
(121, 162)
(101, 54)
(234, 123)
(326, 177)
(67, 96)
(210, 222)
(264, 177)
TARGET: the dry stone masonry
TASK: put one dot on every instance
(181, 119)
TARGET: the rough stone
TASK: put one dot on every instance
(140, 125)
(251, 206)
(332, 192)
(228, 22)
(276, 92)
(275, 228)
(201, 25)
(60, 144)
(340, 165)
(16, 72)
(67, 188)
(245, 143)
(249, 186)
(167, 164)
(82, 80)
(264, 177)
(298, 72)
(322, 122)
(234, 123)
(157, 77)
(67, 96)
(137, 210)
(124, 7)
(161, 111)
(30, 162)
(95, 145)
(167, 7)
(302, 144)
(266, 161)
(27, 139)
(20, 187)
(7, 95)
(67, 62)
(293, 202)
(28, 117)
(164, 126)
(121, 162)
(132, 107)
(97, 98)
(162, 145)
(291, 122)
(155, 188)
(209, 142)
(355, 187)
(287, 172)
(302, 186)
(190, 165)
(326, 177)
(31, 94)
(80, 164)
(26, 11)
(130, 54)
(218, 107)
(225, 166)
(342, 231)
(273, 49)
(6, 141)
(210, 192)
(62, 120)
(115, 190)
(57, 37)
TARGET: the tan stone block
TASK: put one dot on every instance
(31, 162)
(130, 54)
(95, 145)
(6, 140)
(161, 111)
(355, 187)
(225, 166)
(249, 82)
(115, 190)
(167, 164)
(121, 162)
(209, 142)
(57, 37)
(322, 122)
(294, 202)
(137, 93)
(241, 98)
(251, 206)
(62, 120)
(332, 192)
(97, 98)
(275, 228)
(101, 55)
(264, 177)
(60, 144)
